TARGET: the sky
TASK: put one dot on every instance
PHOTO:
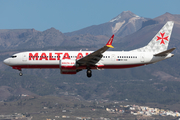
(71, 15)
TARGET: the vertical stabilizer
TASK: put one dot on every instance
(160, 41)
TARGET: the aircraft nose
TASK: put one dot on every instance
(6, 61)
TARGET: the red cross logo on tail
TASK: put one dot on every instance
(162, 38)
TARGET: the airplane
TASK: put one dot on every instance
(71, 62)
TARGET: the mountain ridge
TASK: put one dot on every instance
(118, 26)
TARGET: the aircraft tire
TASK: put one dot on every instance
(89, 73)
(20, 74)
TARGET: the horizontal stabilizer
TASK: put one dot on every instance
(164, 53)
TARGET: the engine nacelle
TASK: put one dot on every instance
(68, 66)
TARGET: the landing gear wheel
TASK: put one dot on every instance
(20, 74)
(89, 73)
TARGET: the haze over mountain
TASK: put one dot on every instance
(131, 31)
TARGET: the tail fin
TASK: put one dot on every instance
(160, 41)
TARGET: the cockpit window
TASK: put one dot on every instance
(13, 56)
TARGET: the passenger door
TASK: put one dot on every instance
(24, 57)
(113, 57)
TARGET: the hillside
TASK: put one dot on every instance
(65, 107)
(29, 38)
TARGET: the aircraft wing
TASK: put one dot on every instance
(94, 57)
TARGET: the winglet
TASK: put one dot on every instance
(109, 43)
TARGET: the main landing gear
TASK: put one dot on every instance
(89, 73)
(20, 74)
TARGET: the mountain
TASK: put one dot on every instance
(14, 38)
(30, 38)
(167, 17)
(124, 24)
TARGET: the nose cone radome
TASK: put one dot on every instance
(6, 61)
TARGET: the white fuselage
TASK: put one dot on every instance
(110, 59)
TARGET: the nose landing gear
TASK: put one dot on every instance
(18, 68)
(89, 73)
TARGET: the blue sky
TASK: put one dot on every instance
(71, 15)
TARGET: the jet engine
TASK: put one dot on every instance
(68, 66)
